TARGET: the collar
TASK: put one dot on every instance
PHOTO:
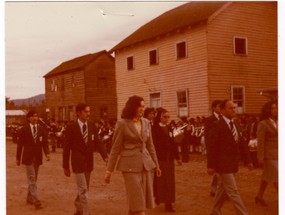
(227, 120)
(32, 126)
(216, 115)
(162, 125)
(81, 123)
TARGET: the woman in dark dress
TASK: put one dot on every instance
(167, 152)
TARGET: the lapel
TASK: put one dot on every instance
(78, 131)
(227, 129)
(131, 126)
(30, 133)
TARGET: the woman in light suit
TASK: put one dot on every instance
(133, 146)
(267, 148)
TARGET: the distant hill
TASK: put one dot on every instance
(38, 99)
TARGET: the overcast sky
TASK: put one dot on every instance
(41, 35)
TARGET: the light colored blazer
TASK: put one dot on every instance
(267, 140)
(131, 151)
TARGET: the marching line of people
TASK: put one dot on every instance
(144, 145)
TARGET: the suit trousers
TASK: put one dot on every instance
(81, 201)
(32, 175)
(227, 187)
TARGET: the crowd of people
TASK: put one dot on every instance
(144, 145)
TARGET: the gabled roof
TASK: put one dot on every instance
(188, 14)
(76, 63)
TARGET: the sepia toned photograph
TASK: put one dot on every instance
(141, 107)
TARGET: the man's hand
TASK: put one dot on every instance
(108, 177)
(250, 166)
(106, 160)
(211, 171)
(67, 172)
(158, 172)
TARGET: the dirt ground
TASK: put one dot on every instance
(58, 192)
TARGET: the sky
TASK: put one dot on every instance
(39, 36)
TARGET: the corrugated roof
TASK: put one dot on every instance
(75, 63)
(15, 113)
(188, 14)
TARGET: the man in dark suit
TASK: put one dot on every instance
(216, 114)
(32, 139)
(223, 158)
(81, 137)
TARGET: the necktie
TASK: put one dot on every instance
(35, 132)
(233, 130)
(85, 133)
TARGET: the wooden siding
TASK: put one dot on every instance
(100, 97)
(81, 86)
(257, 21)
(170, 75)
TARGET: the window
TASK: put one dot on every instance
(62, 83)
(155, 100)
(153, 57)
(73, 81)
(130, 63)
(237, 94)
(70, 113)
(240, 46)
(181, 50)
(52, 85)
(103, 112)
(102, 82)
(182, 103)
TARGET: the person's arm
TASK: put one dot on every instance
(66, 151)
(261, 132)
(20, 146)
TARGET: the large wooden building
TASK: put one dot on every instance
(89, 79)
(198, 52)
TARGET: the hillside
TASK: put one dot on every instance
(38, 99)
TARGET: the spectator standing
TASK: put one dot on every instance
(267, 149)
(80, 139)
(32, 140)
(223, 158)
(132, 141)
(209, 122)
(167, 152)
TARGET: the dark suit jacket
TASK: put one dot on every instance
(81, 153)
(28, 150)
(165, 147)
(223, 150)
(208, 125)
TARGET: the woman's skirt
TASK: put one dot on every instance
(270, 170)
(139, 187)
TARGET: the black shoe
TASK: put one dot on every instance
(38, 205)
(260, 201)
(169, 208)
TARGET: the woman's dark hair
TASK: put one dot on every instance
(266, 110)
(131, 107)
(159, 112)
(148, 111)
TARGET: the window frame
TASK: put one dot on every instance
(153, 100)
(234, 46)
(239, 109)
(150, 58)
(133, 62)
(176, 49)
(179, 111)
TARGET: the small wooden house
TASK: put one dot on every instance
(199, 52)
(89, 79)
